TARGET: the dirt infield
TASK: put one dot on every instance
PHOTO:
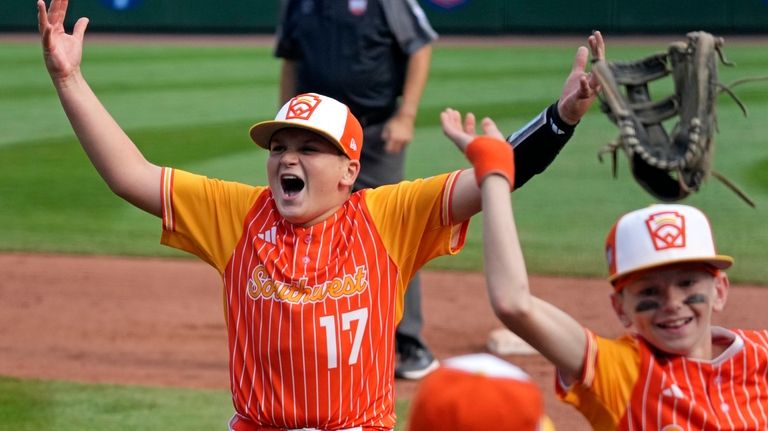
(160, 321)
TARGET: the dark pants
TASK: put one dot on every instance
(380, 168)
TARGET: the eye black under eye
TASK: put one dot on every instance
(696, 298)
(646, 305)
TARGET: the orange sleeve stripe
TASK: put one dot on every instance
(590, 359)
(166, 199)
(458, 231)
(446, 215)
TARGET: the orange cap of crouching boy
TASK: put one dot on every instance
(477, 392)
(317, 113)
(660, 235)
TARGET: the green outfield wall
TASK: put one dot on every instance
(447, 16)
(611, 16)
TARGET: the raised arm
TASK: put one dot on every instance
(538, 143)
(555, 334)
(113, 154)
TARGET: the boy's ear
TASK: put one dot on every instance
(722, 284)
(617, 301)
(349, 176)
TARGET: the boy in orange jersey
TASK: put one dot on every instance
(674, 370)
(314, 275)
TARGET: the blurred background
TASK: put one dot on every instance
(447, 16)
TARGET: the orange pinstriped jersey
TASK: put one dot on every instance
(311, 311)
(628, 386)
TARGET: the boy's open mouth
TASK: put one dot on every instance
(291, 184)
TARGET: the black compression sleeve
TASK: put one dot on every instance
(538, 143)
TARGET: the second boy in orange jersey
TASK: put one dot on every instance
(314, 275)
(673, 370)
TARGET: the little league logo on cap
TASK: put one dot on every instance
(667, 230)
(320, 114)
(660, 235)
(302, 107)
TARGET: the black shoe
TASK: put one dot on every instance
(415, 363)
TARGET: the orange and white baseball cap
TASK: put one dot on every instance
(660, 235)
(477, 392)
(317, 113)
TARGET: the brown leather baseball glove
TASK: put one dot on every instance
(669, 165)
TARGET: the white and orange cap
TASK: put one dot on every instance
(317, 113)
(474, 392)
(660, 235)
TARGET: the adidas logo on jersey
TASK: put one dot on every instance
(268, 235)
(673, 391)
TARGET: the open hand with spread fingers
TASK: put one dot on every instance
(62, 52)
(581, 87)
(463, 132)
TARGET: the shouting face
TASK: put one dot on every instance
(309, 176)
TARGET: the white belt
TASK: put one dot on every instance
(236, 419)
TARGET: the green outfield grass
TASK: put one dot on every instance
(33, 405)
(190, 107)
(30, 405)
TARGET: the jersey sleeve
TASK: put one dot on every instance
(204, 216)
(602, 394)
(409, 24)
(415, 221)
